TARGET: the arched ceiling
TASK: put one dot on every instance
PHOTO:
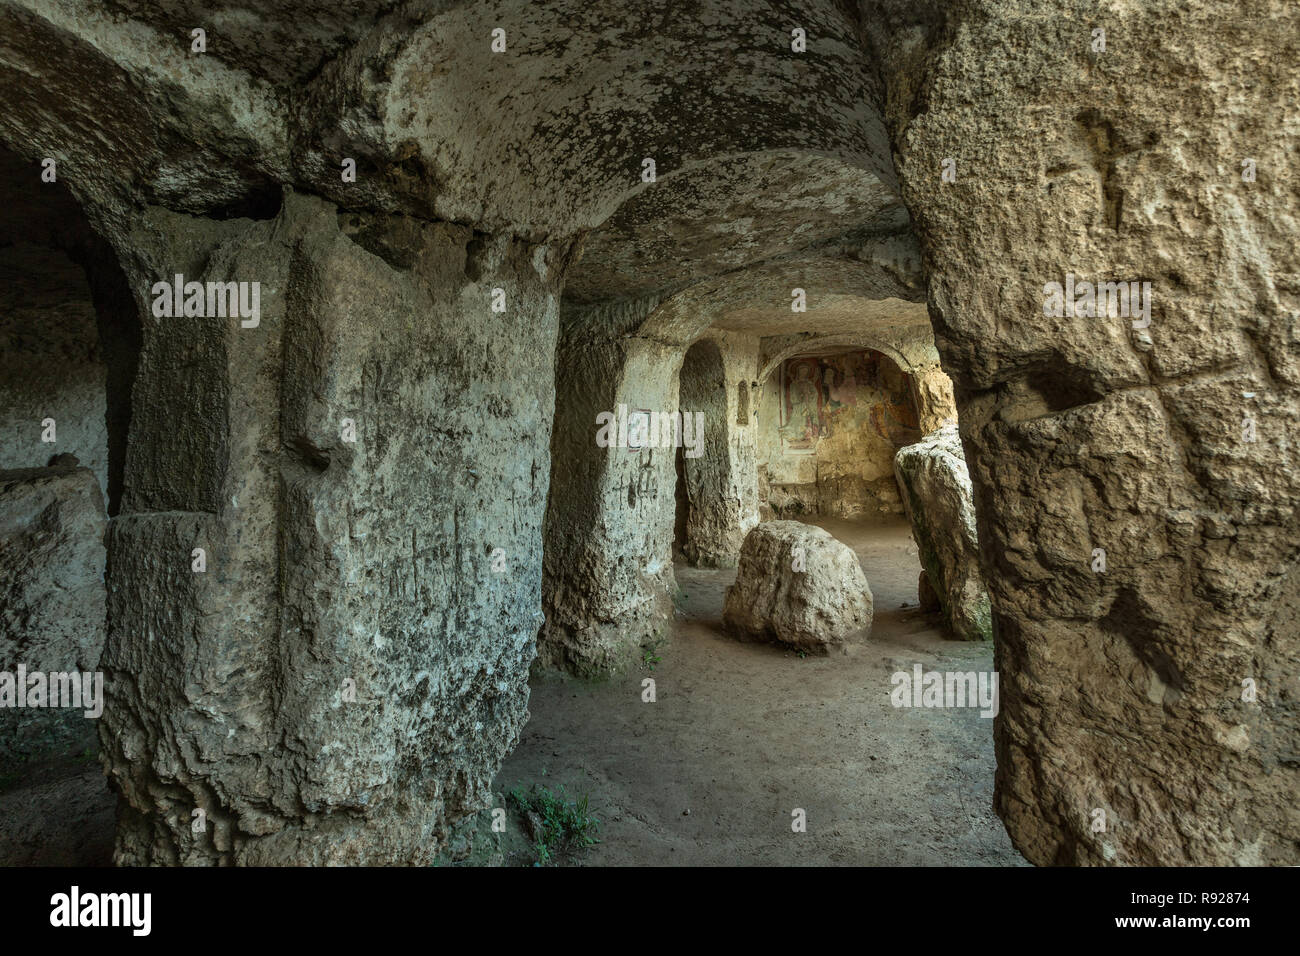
(548, 137)
(848, 286)
(279, 41)
(834, 313)
(545, 140)
(773, 167)
(724, 215)
(909, 345)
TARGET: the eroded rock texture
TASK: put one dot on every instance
(800, 587)
(935, 404)
(608, 564)
(1122, 691)
(927, 597)
(353, 660)
(342, 680)
(936, 491)
(715, 526)
(51, 601)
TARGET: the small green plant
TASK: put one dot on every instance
(650, 655)
(565, 823)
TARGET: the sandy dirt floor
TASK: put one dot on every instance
(742, 734)
(739, 736)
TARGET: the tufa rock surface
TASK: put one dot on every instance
(341, 683)
(372, 563)
(51, 597)
(937, 496)
(1122, 691)
(927, 599)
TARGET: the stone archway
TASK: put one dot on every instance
(914, 354)
(69, 346)
(91, 351)
(608, 580)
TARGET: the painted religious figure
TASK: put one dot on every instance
(841, 376)
(820, 394)
(895, 417)
(801, 405)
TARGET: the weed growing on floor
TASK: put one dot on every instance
(559, 823)
(650, 655)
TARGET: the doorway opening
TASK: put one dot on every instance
(69, 346)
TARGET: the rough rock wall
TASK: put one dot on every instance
(343, 679)
(51, 601)
(1122, 691)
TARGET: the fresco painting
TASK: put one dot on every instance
(819, 394)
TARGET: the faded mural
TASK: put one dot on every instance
(828, 429)
(819, 391)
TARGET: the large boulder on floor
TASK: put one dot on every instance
(52, 598)
(937, 497)
(797, 585)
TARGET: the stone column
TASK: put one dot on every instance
(722, 483)
(609, 572)
(1135, 470)
(366, 471)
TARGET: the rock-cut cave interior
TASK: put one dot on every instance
(605, 433)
